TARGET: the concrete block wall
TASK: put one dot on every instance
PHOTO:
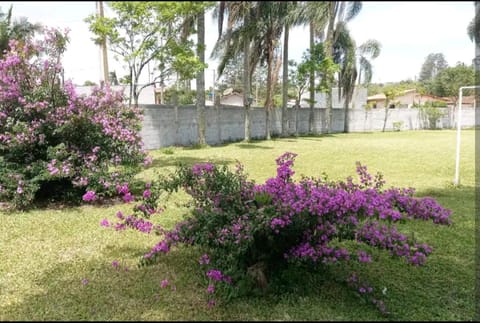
(165, 125)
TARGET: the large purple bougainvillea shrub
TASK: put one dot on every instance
(53, 140)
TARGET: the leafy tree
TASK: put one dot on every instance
(89, 83)
(298, 78)
(322, 66)
(141, 32)
(374, 88)
(182, 96)
(323, 18)
(20, 30)
(448, 81)
(391, 92)
(434, 64)
(316, 16)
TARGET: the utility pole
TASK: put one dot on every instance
(103, 46)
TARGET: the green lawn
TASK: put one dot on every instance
(45, 254)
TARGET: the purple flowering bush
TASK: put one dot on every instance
(251, 232)
(53, 141)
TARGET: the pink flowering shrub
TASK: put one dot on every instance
(53, 141)
(250, 232)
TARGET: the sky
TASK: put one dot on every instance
(408, 32)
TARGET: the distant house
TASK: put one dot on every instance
(467, 101)
(406, 100)
(233, 98)
(359, 99)
(377, 101)
(228, 97)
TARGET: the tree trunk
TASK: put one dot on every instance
(201, 79)
(135, 93)
(347, 115)
(130, 97)
(246, 84)
(177, 123)
(285, 82)
(312, 81)
(297, 108)
(269, 100)
(329, 53)
(329, 112)
(386, 115)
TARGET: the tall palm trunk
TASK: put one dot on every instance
(246, 83)
(269, 100)
(285, 81)
(312, 80)
(346, 120)
(201, 79)
(387, 103)
(329, 54)
(297, 108)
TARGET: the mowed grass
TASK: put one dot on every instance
(45, 254)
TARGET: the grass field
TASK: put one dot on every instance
(46, 253)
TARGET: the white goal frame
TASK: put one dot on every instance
(456, 180)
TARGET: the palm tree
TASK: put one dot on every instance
(260, 25)
(344, 50)
(315, 14)
(19, 29)
(339, 13)
(346, 54)
(292, 16)
(201, 77)
(237, 39)
(365, 52)
(269, 26)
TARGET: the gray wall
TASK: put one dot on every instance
(165, 125)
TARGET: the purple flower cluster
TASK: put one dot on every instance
(200, 169)
(89, 196)
(96, 131)
(215, 274)
(241, 223)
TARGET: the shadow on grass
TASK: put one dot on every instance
(189, 161)
(442, 290)
(458, 198)
(115, 293)
(251, 146)
(136, 294)
(310, 137)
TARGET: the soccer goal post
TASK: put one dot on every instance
(456, 180)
